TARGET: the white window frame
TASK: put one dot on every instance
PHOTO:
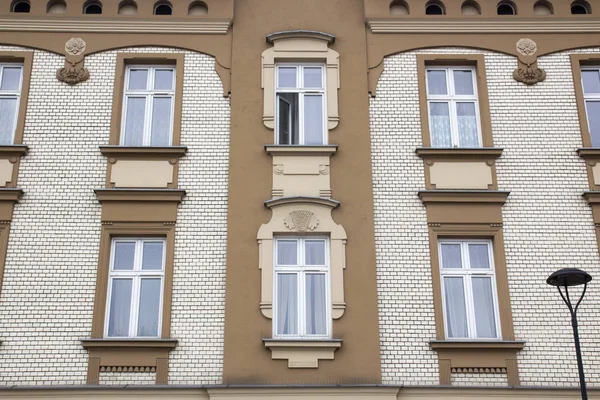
(149, 95)
(466, 273)
(13, 94)
(136, 276)
(595, 97)
(302, 93)
(451, 98)
(301, 270)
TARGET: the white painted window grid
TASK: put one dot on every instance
(136, 275)
(301, 270)
(302, 92)
(452, 99)
(10, 89)
(467, 273)
(149, 94)
(591, 95)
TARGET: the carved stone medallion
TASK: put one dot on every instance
(301, 221)
(527, 70)
(75, 46)
(74, 72)
(526, 46)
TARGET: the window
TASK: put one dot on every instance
(468, 289)
(135, 288)
(590, 81)
(21, 7)
(434, 8)
(92, 7)
(148, 105)
(163, 9)
(302, 304)
(300, 104)
(453, 107)
(505, 8)
(580, 8)
(11, 77)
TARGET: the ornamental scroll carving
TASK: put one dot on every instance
(74, 72)
(301, 221)
(528, 71)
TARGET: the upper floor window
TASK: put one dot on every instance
(300, 104)
(148, 106)
(302, 297)
(453, 107)
(135, 288)
(11, 80)
(590, 80)
(469, 289)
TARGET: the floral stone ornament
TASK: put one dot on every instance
(528, 71)
(74, 72)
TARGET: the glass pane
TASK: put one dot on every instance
(161, 121)
(313, 119)
(8, 111)
(120, 308)
(152, 258)
(593, 117)
(11, 78)
(436, 82)
(287, 304)
(134, 121)
(287, 77)
(124, 256)
(439, 124)
(313, 77)
(138, 79)
(591, 81)
(287, 253)
(479, 256)
(456, 314)
(468, 136)
(483, 299)
(285, 120)
(149, 307)
(163, 79)
(463, 82)
(316, 305)
(315, 252)
(451, 256)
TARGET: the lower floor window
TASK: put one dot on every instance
(469, 289)
(135, 288)
(302, 298)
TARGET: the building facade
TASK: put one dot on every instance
(295, 199)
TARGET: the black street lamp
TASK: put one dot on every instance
(572, 277)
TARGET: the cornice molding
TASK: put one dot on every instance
(287, 150)
(300, 34)
(481, 25)
(302, 200)
(137, 195)
(463, 196)
(208, 26)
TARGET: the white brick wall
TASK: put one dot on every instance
(546, 223)
(46, 302)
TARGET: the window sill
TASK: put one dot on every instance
(124, 354)
(589, 152)
(476, 344)
(163, 151)
(13, 150)
(300, 150)
(460, 152)
(302, 353)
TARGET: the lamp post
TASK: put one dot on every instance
(572, 277)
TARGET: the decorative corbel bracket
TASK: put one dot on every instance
(528, 71)
(74, 72)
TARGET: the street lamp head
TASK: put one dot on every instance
(569, 277)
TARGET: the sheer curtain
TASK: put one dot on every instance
(456, 316)
(467, 125)
(440, 125)
(120, 308)
(316, 304)
(483, 300)
(8, 109)
(287, 304)
(149, 309)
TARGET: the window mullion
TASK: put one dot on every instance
(302, 302)
(301, 117)
(135, 300)
(453, 123)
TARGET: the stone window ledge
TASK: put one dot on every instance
(463, 196)
(162, 195)
(302, 353)
(460, 152)
(139, 205)
(126, 353)
(11, 194)
(499, 354)
(152, 151)
(15, 150)
(291, 150)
